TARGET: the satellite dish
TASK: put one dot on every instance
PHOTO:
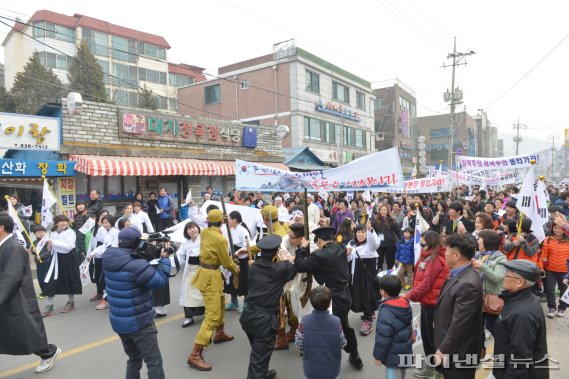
(74, 103)
(282, 131)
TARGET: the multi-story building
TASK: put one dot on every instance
(314, 98)
(436, 128)
(129, 58)
(396, 121)
(487, 142)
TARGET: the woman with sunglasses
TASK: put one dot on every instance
(431, 272)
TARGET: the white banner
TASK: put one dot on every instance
(425, 185)
(27, 132)
(48, 201)
(18, 231)
(519, 161)
(374, 172)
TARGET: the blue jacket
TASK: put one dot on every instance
(564, 207)
(393, 331)
(166, 204)
(128, 283)
(322, 345)
(405, 251)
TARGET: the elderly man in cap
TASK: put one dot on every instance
(208, 279)
(260, 318)
(520, 345)
(329, 266)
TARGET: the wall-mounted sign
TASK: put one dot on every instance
(339, 110)
(28, 132)
(171, 128)
(27, 168)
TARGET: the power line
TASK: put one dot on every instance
(527, 73)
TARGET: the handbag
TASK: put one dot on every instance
(493, 304)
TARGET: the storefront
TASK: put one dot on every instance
(121, 151)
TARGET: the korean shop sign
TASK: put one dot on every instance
(180, 129)
(35, 169)
(28, 132)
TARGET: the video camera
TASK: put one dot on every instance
(150, 246)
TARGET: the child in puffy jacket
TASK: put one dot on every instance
(405, 254)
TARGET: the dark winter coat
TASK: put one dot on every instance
(322, 345)
(94, 206)
(393, 331)
(128, 283)
(405, 251)
(391, 232)
(520, 331)
(21, 327)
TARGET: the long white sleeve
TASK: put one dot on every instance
(63, 242)
(197, 217)
(146, 221)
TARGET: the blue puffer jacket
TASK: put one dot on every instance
(405, 251)
(393, 331)
(128, 283)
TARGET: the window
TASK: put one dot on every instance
(125, 74)
(312, 82)
(378, 104)
(61, 62)
(124, 49)
(359, 138)
(404, 104)
(348, 137)
(151, 50)
(54, 60)
(360, 100)
(438, 133)
(98, 42)
(244, 84)
(105, 67)
(64, 34)
(213, 94)
(178, 80)
(354, 137)
(46, 29)
(312, 129)
(332, 133)
(340, 92)
(49, 30)
(122, 97)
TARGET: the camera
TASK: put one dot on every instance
(151, 246)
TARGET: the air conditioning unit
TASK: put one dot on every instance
(380, 137)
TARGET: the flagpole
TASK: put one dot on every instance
(55, 196)
(22, 227)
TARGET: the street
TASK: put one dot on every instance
(92, 350)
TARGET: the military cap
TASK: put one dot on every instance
(526, 269)
(270, 243)
(324, 233)
(214, 215)
(272, 210)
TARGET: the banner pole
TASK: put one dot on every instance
(22, 226)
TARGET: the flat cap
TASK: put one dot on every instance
(214, 215)
(270, 243)
(526, 269)
(325, 234)
(270, 210)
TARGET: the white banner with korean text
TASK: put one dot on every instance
(374, 172)
(465, 163)
(425, 185)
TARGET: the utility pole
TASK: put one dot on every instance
(454, 97)
(552, 155)
(517, 138)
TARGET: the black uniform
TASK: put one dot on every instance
(260, 318)
(520, 334)
(329, 266)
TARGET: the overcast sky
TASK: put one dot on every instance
(377, 40)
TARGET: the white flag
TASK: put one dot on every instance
(532, 203)
(414, 173)
(421, 226)
(27, 211)
(484, 187)
(366, 195)
(48, 201)
(88, 225)
(18, 231)
(42, 243)
(188, 198)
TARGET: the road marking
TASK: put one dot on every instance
(82, 348)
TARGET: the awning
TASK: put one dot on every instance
(96, 165)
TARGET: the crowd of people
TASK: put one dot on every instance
(479, 265)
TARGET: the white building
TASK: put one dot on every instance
(134, 57)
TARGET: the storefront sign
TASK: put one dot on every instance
(28, 132)
(328, 156)
(339, 110)
(172, 128)
(66, 194)
(23, 167)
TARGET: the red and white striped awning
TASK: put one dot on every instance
(95, 165)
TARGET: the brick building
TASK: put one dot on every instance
(134, 58)
(292, 87)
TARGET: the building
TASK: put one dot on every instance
(129, 58)
(314, 98)
(395, 112)
(487, 142)
(435, 129)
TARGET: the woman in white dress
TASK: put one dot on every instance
(110, 239)
(140, 218)
(63, 275)
(239, 234)
(189, 254)
(128, 215)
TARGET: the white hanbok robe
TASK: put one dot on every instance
(189, 296)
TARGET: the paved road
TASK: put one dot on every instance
(92, 350)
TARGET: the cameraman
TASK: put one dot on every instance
(129, 280)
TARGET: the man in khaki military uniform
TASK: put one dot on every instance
(208, 279)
